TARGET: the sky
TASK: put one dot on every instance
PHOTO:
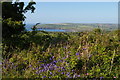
(72, 0)
(73, 12)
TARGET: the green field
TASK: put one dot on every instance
(78, 27)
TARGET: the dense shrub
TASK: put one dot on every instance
(64, 55)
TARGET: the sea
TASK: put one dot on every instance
(29, 26)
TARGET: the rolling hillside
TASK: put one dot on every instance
(78, 26)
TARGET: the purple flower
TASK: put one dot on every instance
(40, 61)
(36, 68)
(62, 73)
(78, 75)
(63, 68)
(48, 64)
(51, 53)
(42, 65)
(90, 56)
(61, 60)
(69, 52)
(44, 60)
(51, 68)
(78, 57)
(54, 61)
(43, 70)
(30, 65)
(52, 56)
(68, 74)
(37, 72)
(51, 73)
(64, 47)
(43, 76)
(77, 54)
(63, 57)
(84, 48)
(72, 70)
(57, 67)
(40, 71)
(53, 64)
(59, 70)
(101, 78)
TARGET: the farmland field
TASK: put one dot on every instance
(79, 27)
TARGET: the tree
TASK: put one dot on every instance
(13, 17)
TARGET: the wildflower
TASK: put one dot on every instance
(90, 56)
(59, 70)
(69, 52)
(87, 73)
(42, 65)
(61, 60)
(52, 56)
(37, 72)
(72, 70)
(62, 73)
(63, 57)
(51, 73)
(114, 77)
(78, 75)
(30, 65)
(68, 75)
(54, 61)
(67, 56)
(44, 60)
(51, 53)
(74, 76)
(33, 68)
(43, 70)
(84, 48)
(101, 78)
(40, 71)
(63, 68)
(40, 61)
(43, 76)
(77, 54)
(57, 67)
(64, 47)
(51, 68)
(36, 68)
(48, 64)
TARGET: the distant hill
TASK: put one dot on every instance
(79, 26)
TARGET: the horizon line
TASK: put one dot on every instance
(71, 22)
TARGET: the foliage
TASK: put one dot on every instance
(64, 55)
(13, 17)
